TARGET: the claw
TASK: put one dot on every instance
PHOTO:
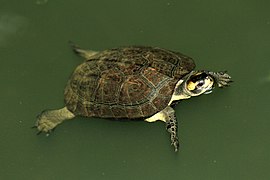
(73, 46)
(176, 146)
(175, 143)
(49, 119)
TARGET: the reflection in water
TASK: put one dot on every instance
(10, 26)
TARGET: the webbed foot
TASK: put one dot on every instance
(45, 123)
(171, 126)
(222, 79)
(49, 119)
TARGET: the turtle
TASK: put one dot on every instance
(133, 83)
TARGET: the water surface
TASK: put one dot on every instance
(224, 135)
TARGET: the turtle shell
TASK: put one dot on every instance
(130, 82)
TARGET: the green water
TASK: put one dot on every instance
(224, 135)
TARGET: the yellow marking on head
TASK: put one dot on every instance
(191, 86)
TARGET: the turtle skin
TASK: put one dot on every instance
(129, 82)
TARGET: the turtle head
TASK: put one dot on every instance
(197, 83)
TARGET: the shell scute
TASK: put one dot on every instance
(134, 91)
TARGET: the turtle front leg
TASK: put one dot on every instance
(167, 115)
(171, 126)
(222, 79)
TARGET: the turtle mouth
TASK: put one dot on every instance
(209, 90)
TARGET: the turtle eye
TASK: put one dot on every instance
(200, 83)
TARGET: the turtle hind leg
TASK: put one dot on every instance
(49, 119)
(87, 54)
